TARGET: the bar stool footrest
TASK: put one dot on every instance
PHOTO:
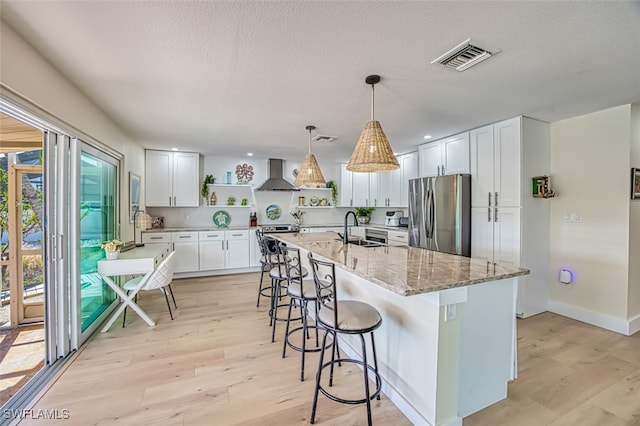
(372, 396)
(317, 348)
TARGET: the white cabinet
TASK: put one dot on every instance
(382, 189)
(224, 250)
(185, 244)
(172, 179)
(211, 250)
(409, 170)
(496, 164)
(508, 225)
(397, 238)
(345, 186)
(446, 156)
(237, 255)
(496, 235)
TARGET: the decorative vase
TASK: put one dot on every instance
(112, 255)
(363, 219)
(297, 221)
(213, 199)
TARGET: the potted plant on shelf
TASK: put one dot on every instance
(334, 191)
(204, 190)
(112, 248)
(363, 214)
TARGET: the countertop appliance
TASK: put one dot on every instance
(440, 214)
(393, 218)
(279, 228)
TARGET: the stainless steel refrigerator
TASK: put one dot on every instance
(440, 214)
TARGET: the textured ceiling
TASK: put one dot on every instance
(231, 77)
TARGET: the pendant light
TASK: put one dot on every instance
(373, 152)
(310, 173)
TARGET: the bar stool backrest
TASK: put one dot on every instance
(324, 277)
(293, 265)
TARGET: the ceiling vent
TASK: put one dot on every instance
(324, 138)
(463, 56)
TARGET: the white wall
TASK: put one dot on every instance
(26, 72)
(590, 171)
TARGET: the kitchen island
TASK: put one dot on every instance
(447, 344)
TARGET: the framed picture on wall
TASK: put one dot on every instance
(635, 183)
(134, 195)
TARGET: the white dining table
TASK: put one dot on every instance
(137, 261)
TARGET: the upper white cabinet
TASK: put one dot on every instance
(446, 156)
(495, 165)
(383, 189)
(172, 179)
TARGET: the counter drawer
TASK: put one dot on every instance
(184, 237)
(211, 235)
(156, 237)
(399, 236)
(237, 235)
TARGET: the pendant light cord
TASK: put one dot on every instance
(373, 98)
(309, 141)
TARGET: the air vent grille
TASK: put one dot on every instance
(324, 138)
(463, 56)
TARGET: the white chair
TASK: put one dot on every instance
(160, 279)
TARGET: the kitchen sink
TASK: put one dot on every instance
(362, 243)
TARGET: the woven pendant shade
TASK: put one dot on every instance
(310, 174)
(373, 152)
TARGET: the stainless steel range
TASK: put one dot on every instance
(279, 228)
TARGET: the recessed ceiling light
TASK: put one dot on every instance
(174, 149)
(250, 154)
(427, 136)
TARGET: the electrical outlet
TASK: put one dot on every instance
(450, 312)
(572, 217)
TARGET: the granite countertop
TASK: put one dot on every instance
(406, 271)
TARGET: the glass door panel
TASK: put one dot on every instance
(98, 222)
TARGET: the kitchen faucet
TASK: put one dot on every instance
(345, 236)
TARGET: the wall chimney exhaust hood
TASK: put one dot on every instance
(275, 180)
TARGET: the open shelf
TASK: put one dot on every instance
(222, 206)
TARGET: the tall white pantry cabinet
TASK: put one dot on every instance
(508, 225)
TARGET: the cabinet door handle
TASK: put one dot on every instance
(438, 170)
(155, 238)
(174, 201)
(495, 214)
(495, 198)
(236, 235)
(227, 244)
(488, 214)
(443, 170)
(222, 242)
(489, 198)
(169, 199)
(184, 236)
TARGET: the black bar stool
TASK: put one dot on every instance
(343, 317)
(279, 284)
(300, 292)
(263, 290)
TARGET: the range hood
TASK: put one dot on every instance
(275, 180)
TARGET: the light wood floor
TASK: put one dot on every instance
(215, 365)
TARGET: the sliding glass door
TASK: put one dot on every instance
(98, 195)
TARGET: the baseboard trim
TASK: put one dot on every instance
(619, 325)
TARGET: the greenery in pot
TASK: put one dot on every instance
(363, 213)
(204, 190)
(334, 191)
(231, 201)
